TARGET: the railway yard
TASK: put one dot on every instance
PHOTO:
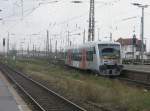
(51, 87)
(74, 55)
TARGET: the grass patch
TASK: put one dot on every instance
(82, 88)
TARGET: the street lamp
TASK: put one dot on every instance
(142, 26)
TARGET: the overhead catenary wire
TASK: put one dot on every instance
(32, 11)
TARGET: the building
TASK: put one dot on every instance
(147, 54)
(130, 51)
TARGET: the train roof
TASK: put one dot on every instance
(93, 43)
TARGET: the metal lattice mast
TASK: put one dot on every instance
(47, 43)
(91, 31)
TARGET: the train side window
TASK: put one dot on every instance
(73, 55)
(94, 51)
(65, 54)
(90, 52)
(80, 56)
(76, 56)
(89, 56)
(70, 53)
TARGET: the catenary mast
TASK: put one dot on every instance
(91, 31)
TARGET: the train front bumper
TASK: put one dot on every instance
(110, 69)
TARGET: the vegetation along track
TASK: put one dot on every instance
(45, 99)
(132, 76)
(136, 77)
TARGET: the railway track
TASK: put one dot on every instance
(132, 76)
(136, 77)
(44, 98)
(136, 82)
(48, 102)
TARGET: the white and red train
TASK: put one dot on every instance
(102, 57)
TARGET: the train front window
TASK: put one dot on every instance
(109, 51)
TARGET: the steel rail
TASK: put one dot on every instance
(136, 77)
(7, 70)
(134, 81)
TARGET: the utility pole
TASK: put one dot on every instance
(1, 18)
(22, 9)
(63, 48)
(84, 37)
(110, 36)
(4, 46)
(133, 44)
(56, 48)
(142, 27)
(8, 45)
(47, 43)
(21, 50)
(142, 34)
(68, 40)
(50, 45)
(33, 50)
(91, 31)
(70, 43)
(98, 34)
(28, 50)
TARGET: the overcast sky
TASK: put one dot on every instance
(116, 16)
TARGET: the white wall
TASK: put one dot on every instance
(127, 52)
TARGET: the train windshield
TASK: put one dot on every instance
(109, 51)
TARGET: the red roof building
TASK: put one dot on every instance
(129, 41)
(130, 51)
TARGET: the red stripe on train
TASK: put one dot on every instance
(83, 63)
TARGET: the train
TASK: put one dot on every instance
(103, 58)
